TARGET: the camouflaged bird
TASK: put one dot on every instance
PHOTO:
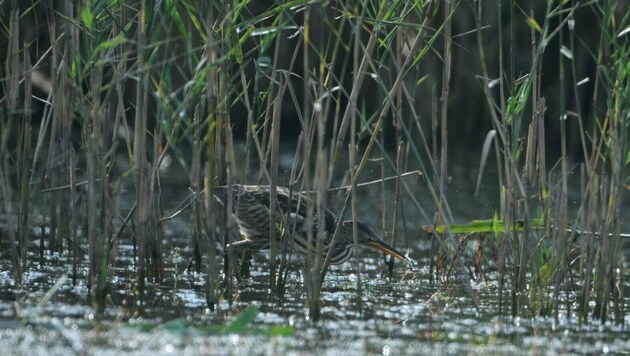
(251, 209)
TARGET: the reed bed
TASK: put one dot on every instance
(104, 95)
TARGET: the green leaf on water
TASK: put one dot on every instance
(242, 322)
(279, 330)
(176, 325)
(240, 325)
(494, 225)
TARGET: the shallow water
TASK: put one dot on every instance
(404, 314)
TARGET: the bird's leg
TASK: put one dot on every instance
(243, 247)
(283, 271)
(229, 260)
(322, 275)
(227, 281)
(390, 265)
(282, 277)
(231, 264)
(246, 259)
(314, 291)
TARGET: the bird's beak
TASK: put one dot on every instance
(383, 246)
(372, 240)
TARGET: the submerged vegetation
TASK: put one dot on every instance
(98, 98)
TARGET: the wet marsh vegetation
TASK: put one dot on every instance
(487, 142)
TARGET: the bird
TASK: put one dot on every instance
(251, 209)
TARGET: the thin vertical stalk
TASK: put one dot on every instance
(155, 190)
(320, 183)
(601, 282)
(195, 187)
(60, 81)
(25, 157)
(274, 141)
(73, 217)
(308, 182)
(92, 213)
(11, 91)
(69, 96)
(230, 172)
(446, 77)
(562, 219)
(213, 124)
(140, 149)
(213, 137)
(93, 126)
(397, 213)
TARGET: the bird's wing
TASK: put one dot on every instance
(253, 209)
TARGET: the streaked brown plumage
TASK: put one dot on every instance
(251, 210)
